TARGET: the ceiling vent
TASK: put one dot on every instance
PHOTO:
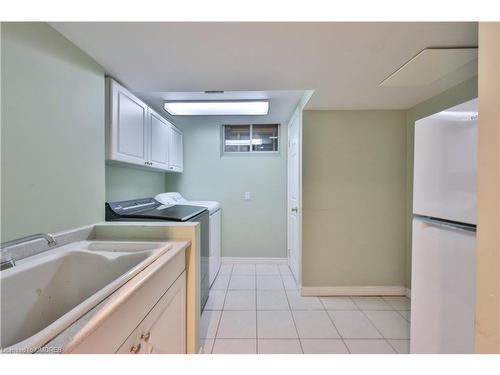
(430, 65)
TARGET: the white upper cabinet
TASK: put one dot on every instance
(127, 126)
(136, 134)
(160, 141)
(175, 150)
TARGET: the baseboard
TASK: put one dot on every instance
(353, 291)
(254, 260)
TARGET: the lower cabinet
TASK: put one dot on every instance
(163, 330)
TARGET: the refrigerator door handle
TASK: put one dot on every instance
(445, 224)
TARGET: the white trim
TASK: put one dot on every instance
(408, 292)
(353, 290)
(254, 260)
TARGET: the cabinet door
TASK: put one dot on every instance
(159, 141)
(128, 126)
(133, 345)
(163, 330)
(175, 150)
(166, 324)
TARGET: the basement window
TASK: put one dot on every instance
(250, 138)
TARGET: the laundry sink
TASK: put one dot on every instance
(44, 294)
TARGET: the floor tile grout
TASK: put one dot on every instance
(256, 317)
(336, 329)
(222, 311)
(293, 317)
(373, 324)
(291, 310)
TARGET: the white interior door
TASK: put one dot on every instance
(294, 210)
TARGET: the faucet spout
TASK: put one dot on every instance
(51, 241)
(7, 261)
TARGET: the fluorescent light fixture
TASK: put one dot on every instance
(237, 142)
(459, 115)
(218, 108)
(244, 142)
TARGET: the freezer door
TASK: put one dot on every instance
(445, 164)
(442, 289)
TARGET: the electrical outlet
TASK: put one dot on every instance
(248, 196)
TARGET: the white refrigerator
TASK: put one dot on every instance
(444, 231)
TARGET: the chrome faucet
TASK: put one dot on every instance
(7, 261)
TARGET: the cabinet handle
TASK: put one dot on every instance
(135, 349)
(146, 336)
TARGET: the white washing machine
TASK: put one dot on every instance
(214, 260)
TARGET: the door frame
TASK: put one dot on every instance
(297, 113)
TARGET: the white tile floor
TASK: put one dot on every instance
(256, 308)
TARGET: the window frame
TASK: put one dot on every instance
(250, 152)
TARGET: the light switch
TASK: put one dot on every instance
(248, 196)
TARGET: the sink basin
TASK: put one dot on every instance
(44, 294)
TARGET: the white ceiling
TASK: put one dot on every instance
(343, 62)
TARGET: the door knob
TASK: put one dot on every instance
(135, 349)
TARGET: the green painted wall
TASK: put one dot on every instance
(124, 183)
(358, 192)
(255, 228)
(52, 156)
(53, 172)
(458, 94)
(354, 194)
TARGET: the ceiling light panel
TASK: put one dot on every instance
(218, 108)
